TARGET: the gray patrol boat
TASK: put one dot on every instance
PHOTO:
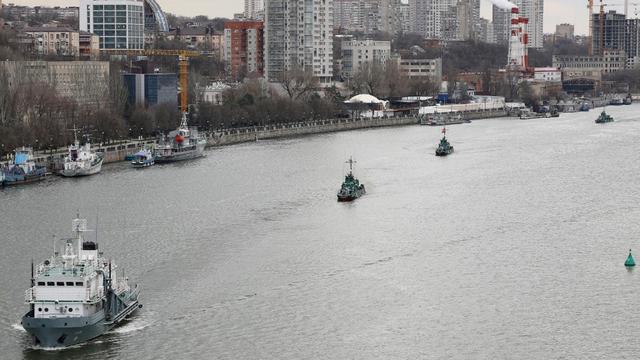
(77, 295)
(181, 144)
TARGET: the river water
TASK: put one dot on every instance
(511, 248)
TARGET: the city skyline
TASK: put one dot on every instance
(555, 11)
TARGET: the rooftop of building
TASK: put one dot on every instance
(48, 29)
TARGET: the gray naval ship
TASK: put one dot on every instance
(181, 144)
(76, 296)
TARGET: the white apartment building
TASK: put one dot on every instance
(118, 23)
(253, 9)
(447, 20)
(358, 52)
(298, 33)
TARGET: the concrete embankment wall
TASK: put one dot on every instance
(235, 136)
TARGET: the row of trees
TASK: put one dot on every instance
(254, 103)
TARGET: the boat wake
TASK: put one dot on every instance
(55, 349)
(129, 327)
(18, 327)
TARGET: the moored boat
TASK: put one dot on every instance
(76, 295)
(351, 188)
(23, 169)
(444, 148)
(181, 144)
(143, 158)
(81, 161)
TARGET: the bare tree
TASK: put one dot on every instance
(369, 79)
(297, 82)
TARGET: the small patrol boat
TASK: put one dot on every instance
(81, 160)
(351, 188)
(604, 118)
(630, 262)
(183, 143)
(76, 295)
(143, 158)
(444, 148)
(22, 169)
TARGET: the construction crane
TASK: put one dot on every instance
(183, 65)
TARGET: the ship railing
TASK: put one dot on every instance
(28, 295)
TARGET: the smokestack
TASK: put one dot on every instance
(518, 57)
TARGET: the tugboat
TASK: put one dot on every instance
(23, 169)
(143, 158)
(183, 143)
(604, 118)
(76, 295)
(81, 160)
(444, 148)
(351, 188)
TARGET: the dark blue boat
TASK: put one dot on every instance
(23, 169)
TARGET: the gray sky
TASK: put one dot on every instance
(555, 12)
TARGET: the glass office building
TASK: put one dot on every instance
(118, 23)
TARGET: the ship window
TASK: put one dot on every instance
(60, 283)
(70, 310)
(50, 283)
(40, 283)
(39, 309)
(46, 309)
(79, 283)
(69, 283)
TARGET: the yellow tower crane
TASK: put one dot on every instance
(183, 65)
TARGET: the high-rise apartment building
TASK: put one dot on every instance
(367, 16)
(530, 9)
(253, 9)
(243, 48)
(447, 20)
(118, 23)
(298, 34)
(618, 33)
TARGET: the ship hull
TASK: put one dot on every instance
(94, 169)
(21, 180)
(181, 156)
(69, 331)
(144, 164)
(443, 152)
(352, 197)
(63, 332)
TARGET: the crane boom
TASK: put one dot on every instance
(183, 66)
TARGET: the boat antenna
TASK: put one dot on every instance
(54, 245)
(75, 133)
(32, 278)
(351, 162)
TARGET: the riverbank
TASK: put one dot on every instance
(118, 152)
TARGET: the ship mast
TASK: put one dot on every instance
(350, 162)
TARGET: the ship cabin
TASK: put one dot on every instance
(72, 284)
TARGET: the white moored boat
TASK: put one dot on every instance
(81, 161)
